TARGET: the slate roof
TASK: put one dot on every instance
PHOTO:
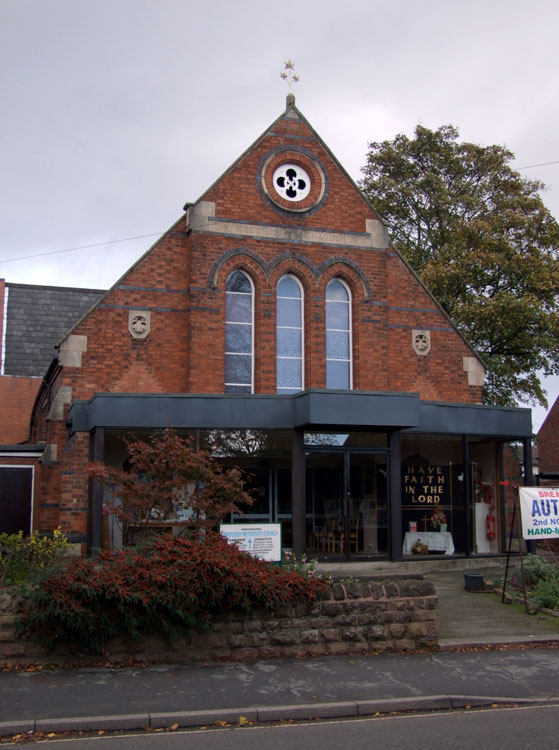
(37, 317)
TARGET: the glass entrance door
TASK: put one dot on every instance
(326, 508)
(347, 503)
(368, 504)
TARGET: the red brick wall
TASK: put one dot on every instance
(73, 486)
(548, 441)
(16, 401)
(116, 362)
(46, 515)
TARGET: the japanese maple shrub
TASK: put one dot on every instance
(166, 478)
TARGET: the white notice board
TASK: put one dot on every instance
(261, 540)
(539, 510)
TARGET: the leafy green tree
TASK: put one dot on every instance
(483, 242)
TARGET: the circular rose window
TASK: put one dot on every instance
(292, 182)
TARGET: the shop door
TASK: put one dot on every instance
(368, 503)
(347, 503)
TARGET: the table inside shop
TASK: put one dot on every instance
(436, 541)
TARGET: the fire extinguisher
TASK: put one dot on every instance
(490, 524)
(490, 518)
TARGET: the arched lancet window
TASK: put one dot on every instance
(239, 336)
(289, 335)
(338, 335)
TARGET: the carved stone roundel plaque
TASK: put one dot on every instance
(421, 342)
(139, 323)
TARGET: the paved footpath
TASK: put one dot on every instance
(197, 694)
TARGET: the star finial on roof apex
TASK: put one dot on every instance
(291, 78)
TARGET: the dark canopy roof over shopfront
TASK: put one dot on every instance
(329, 409)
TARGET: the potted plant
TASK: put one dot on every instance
(438, 518)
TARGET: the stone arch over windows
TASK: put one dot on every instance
(349, 271)
(241, 258)
(352, 269)
(301, 269)
(302, 266)
(296, 263)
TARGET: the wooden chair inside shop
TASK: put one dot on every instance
(316, 538)
(354, 535)
(331, 537)
(336, 537)
(327, 538)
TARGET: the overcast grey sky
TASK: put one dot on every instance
(114, 113)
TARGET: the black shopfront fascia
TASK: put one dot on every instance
(328, 410)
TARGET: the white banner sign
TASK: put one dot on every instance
(260, 540)
(539, 510)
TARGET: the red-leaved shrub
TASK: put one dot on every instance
(171, 586)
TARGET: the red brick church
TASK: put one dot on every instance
(275, 320)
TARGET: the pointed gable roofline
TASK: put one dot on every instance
(551, 415)
(121, 279)
(290, 112)
(54, 361)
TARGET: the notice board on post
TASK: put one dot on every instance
(261, 540)
(539, 511)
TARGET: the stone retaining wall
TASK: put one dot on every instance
(391, 614)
